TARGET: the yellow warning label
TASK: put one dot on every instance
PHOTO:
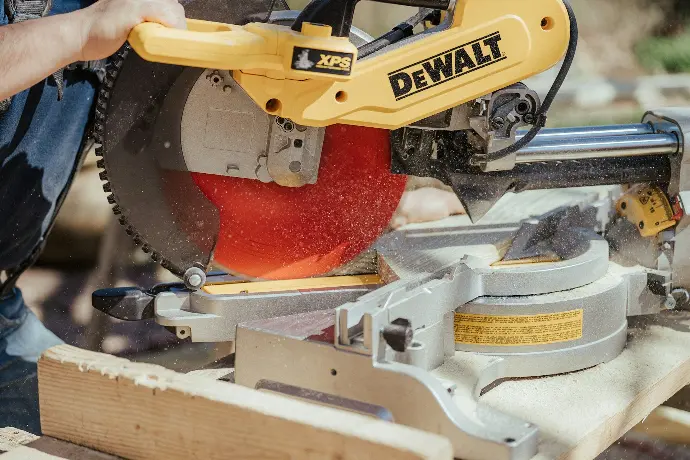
(520, 330)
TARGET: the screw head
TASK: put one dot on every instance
(670, 302)
(194, 278)
(498, 122)
(295, 166)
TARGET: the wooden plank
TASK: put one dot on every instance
(138, 410)
(582, 413)
(19, 445)
(47, 448)
(11, 438)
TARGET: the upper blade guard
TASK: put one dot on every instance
(249, 228)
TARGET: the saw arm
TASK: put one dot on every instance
(312, 76)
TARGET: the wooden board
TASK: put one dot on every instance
(582, 413)
(141, 410)
(47, 448)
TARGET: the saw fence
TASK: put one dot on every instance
(134, 410)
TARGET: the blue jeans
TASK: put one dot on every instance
(22, 340)
(40, 141)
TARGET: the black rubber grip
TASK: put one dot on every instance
(126, 303)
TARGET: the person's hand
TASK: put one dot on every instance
(426, 204)
(106, 24)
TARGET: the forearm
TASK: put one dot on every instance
(32, 50)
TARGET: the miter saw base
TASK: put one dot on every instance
(396, 350)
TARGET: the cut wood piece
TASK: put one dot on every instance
(666, 423)
(582, 413)
(47, 448)
(11, 438)
(138, 410)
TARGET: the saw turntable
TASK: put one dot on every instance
(273, 145)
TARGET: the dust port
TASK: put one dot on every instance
(182, 332)
(273, 106)
(341, 96)
(547, 23)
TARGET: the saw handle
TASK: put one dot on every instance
(201, 44)
(130, 303)
(125, 303)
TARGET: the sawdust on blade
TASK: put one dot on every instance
(272, 232)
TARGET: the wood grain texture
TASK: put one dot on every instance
(582, 413)
(140, 410)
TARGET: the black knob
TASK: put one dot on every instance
(398, 334)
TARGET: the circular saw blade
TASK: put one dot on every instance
(274, 232)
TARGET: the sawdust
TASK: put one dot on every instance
(11, 438)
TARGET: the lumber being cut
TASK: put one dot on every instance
(139, 410)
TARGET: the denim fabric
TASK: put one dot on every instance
(22, 340)
(40, 139)
(39, 144)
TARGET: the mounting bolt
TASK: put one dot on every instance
(528, 118)
(670, 302)
(682, 298)
(295, 166)
(194, 278)
(215, 78)
(498, 123)
(398, 334)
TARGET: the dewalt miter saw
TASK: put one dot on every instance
(274, 145)
(224, 157)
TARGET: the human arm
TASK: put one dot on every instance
(32, 50)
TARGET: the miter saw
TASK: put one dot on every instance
(274, 145)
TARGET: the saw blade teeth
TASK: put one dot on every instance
(114, 65)
(167, 265)
(137, 240)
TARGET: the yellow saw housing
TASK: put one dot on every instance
(314, 78)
